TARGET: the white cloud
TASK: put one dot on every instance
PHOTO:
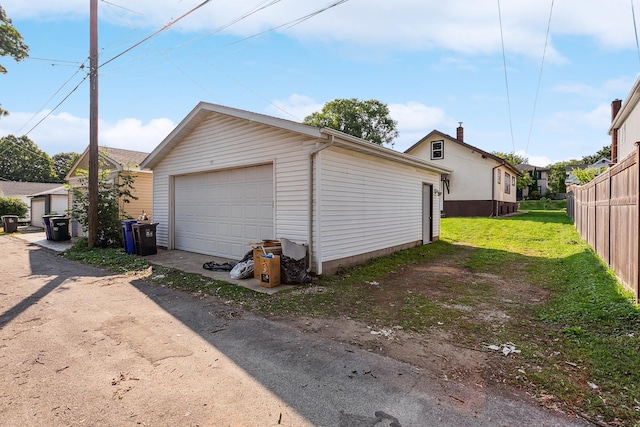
(64, 132)
(295, 108)
(466, 26)
(415, 120)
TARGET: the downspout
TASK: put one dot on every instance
(312, 154)
(493, 191)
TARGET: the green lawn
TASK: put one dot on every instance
(580, 345)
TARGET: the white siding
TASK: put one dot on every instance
(471, 176)
(222, 142)
(629, 133)
(367, 204)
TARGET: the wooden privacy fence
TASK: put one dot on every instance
(605, 212)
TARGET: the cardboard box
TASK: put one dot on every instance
(257, 254)
(269, 270)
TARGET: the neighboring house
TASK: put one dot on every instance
(570, 177)
(54, 201)
(625, 125)
(117, 161)
(224, 178)
(541, 179)
(481, 184)
(23, 190)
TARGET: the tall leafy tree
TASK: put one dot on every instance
(369, 120)
(11, 44)
(62, 163)
(512, 157)
(605, 153)
(22, 160)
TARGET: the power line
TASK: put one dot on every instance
(52, 96)
(544, 52)
(506, 79)
(635, 29)
(59, 104)
(165, 27)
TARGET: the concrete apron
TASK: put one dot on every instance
(188, 262)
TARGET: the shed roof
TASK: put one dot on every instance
(340, 139)
(17, 188)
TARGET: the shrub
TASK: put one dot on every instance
(109, 212)
(13, 206)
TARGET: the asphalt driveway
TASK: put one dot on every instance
(79, 346)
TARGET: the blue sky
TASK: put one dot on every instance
(434, 63)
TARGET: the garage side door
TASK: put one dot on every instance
(218, 213)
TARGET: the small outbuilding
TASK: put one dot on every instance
(224, 178)
(54, 201)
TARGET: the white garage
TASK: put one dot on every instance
(224, 178)
(218, 213)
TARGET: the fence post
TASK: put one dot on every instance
(636, 291)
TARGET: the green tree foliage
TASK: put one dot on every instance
(587, 174)
(13, 206)
(22, 160)
(605, 153)
(112, 196)
(513, 158)
(62, 163)
(558, 174)
(11, 44)
(524, 181)
(368, 120)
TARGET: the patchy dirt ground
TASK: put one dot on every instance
(455, 350)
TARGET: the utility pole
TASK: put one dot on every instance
(93, 125)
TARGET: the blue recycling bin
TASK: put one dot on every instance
(127, 236)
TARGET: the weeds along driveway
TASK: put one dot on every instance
(82, 346)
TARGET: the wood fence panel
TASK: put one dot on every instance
(605, 212)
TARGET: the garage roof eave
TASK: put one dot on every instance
(360, 145)
(202, 111)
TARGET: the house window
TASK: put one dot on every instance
(513, 181)
(507, 183)
(437, 150)
(499, 175)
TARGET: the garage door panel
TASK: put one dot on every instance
(218, 213)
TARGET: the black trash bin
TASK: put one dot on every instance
(10, 223)
(144, 237)
(47, 219)
(59, 229)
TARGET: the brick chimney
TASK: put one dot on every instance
(615, 108)
(460, 132)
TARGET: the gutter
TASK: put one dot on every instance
(312, 154)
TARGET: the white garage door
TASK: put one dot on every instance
(37, 211)
(219, 213)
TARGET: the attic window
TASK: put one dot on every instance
(437, 150)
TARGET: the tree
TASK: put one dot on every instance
(110, 211)
(605, 153)
(11, 44)
(22, 160)
(13, 206)
(524, 181)
(558, 174)
(513, 158)
(62, 163)
(587, 174)
(368, 120)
